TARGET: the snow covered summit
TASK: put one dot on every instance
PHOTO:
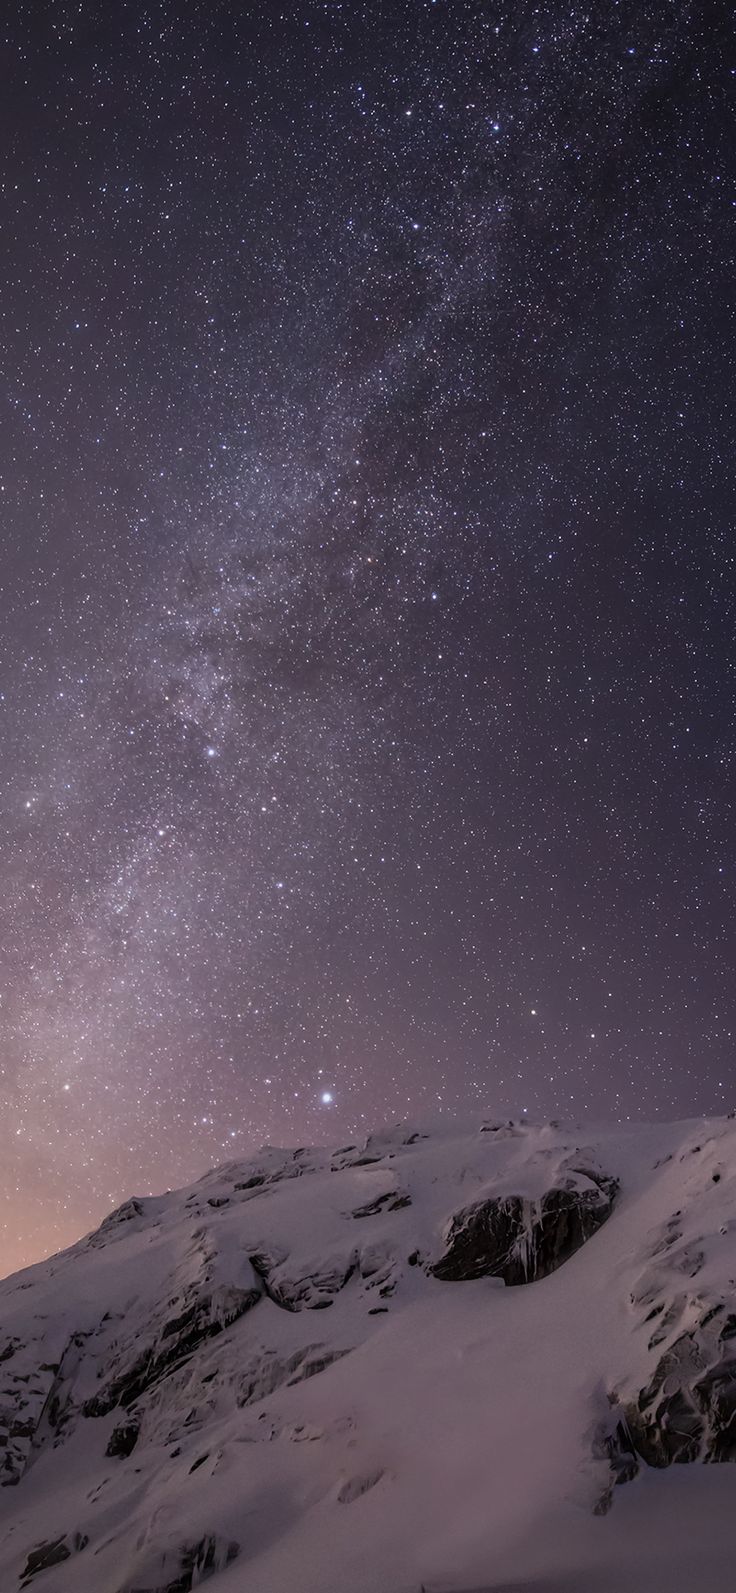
(451, 1362)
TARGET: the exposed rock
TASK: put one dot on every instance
(687, 1410)
(38, 1406)
(355, 1487)
(52, 1553)
(181, 1569)
(129, 1210)
(178, 1338)
(394, 1200)
(271, 1371)
(123, 1440)
(612, 1442)
(522, 1240)
(309, 1285)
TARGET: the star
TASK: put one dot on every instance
(391, 474)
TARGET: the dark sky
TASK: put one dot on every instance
(368, 581)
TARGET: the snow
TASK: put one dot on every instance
(308, 1391)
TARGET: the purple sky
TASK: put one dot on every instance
(367, 599)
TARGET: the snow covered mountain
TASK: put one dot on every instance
(454, 1362)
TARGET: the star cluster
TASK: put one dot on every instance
(367, 646)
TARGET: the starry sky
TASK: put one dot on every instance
(368, 587)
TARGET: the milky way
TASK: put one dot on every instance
(367, 638)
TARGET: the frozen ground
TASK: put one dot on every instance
(295, 1377)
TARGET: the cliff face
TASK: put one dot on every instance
(309, 1371)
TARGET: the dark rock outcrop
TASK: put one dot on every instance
(54, 1552)
(522, 1240)
(122, 1440)
(187, 1567)
(128, 1212)
(687, 1410)
(393, 1200)
(37, 1408)
(179, 1337)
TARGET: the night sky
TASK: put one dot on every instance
(368, 578)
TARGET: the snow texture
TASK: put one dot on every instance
(460, 1362)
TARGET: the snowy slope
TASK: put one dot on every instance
(453, 1362)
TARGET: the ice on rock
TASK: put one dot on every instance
(521, 1238)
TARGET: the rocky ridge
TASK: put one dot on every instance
(166, 1360)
